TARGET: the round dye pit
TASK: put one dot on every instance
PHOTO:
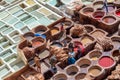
(98, 4)
(94, 70)
(109, 19)
(36, 43)
(118, 12)
(84, 63)
(60, 76)
(67, 39)
(57, 44)
(95, 55)
(54, 31)
(89, 28)
(40, 29)
(98, 15)
(67, 24)
(116, 53)
(106, 61)
(29, 36)
(72, 70)
(80, 76)
(88, 11)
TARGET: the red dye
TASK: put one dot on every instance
(106, 62)
(36, 43)
(118, 13)
(98, 17)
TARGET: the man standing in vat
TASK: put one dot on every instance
(53, 61)
(71, 58)
(37, 63)
(39, 75)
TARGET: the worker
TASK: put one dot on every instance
(53, 61)
(71, 57)
(37, 63)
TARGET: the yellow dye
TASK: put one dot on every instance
(94, 58)
(86, 41)
(54, 31)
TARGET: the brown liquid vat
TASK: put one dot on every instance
(67, 24)
(56, 43)
(96, 71)
(41, 29)
(83, 63)
(71, 70)
(29, 36)
(95, 55)
(60, 76)
(98, 33)
(89, 28)
(80, 76)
